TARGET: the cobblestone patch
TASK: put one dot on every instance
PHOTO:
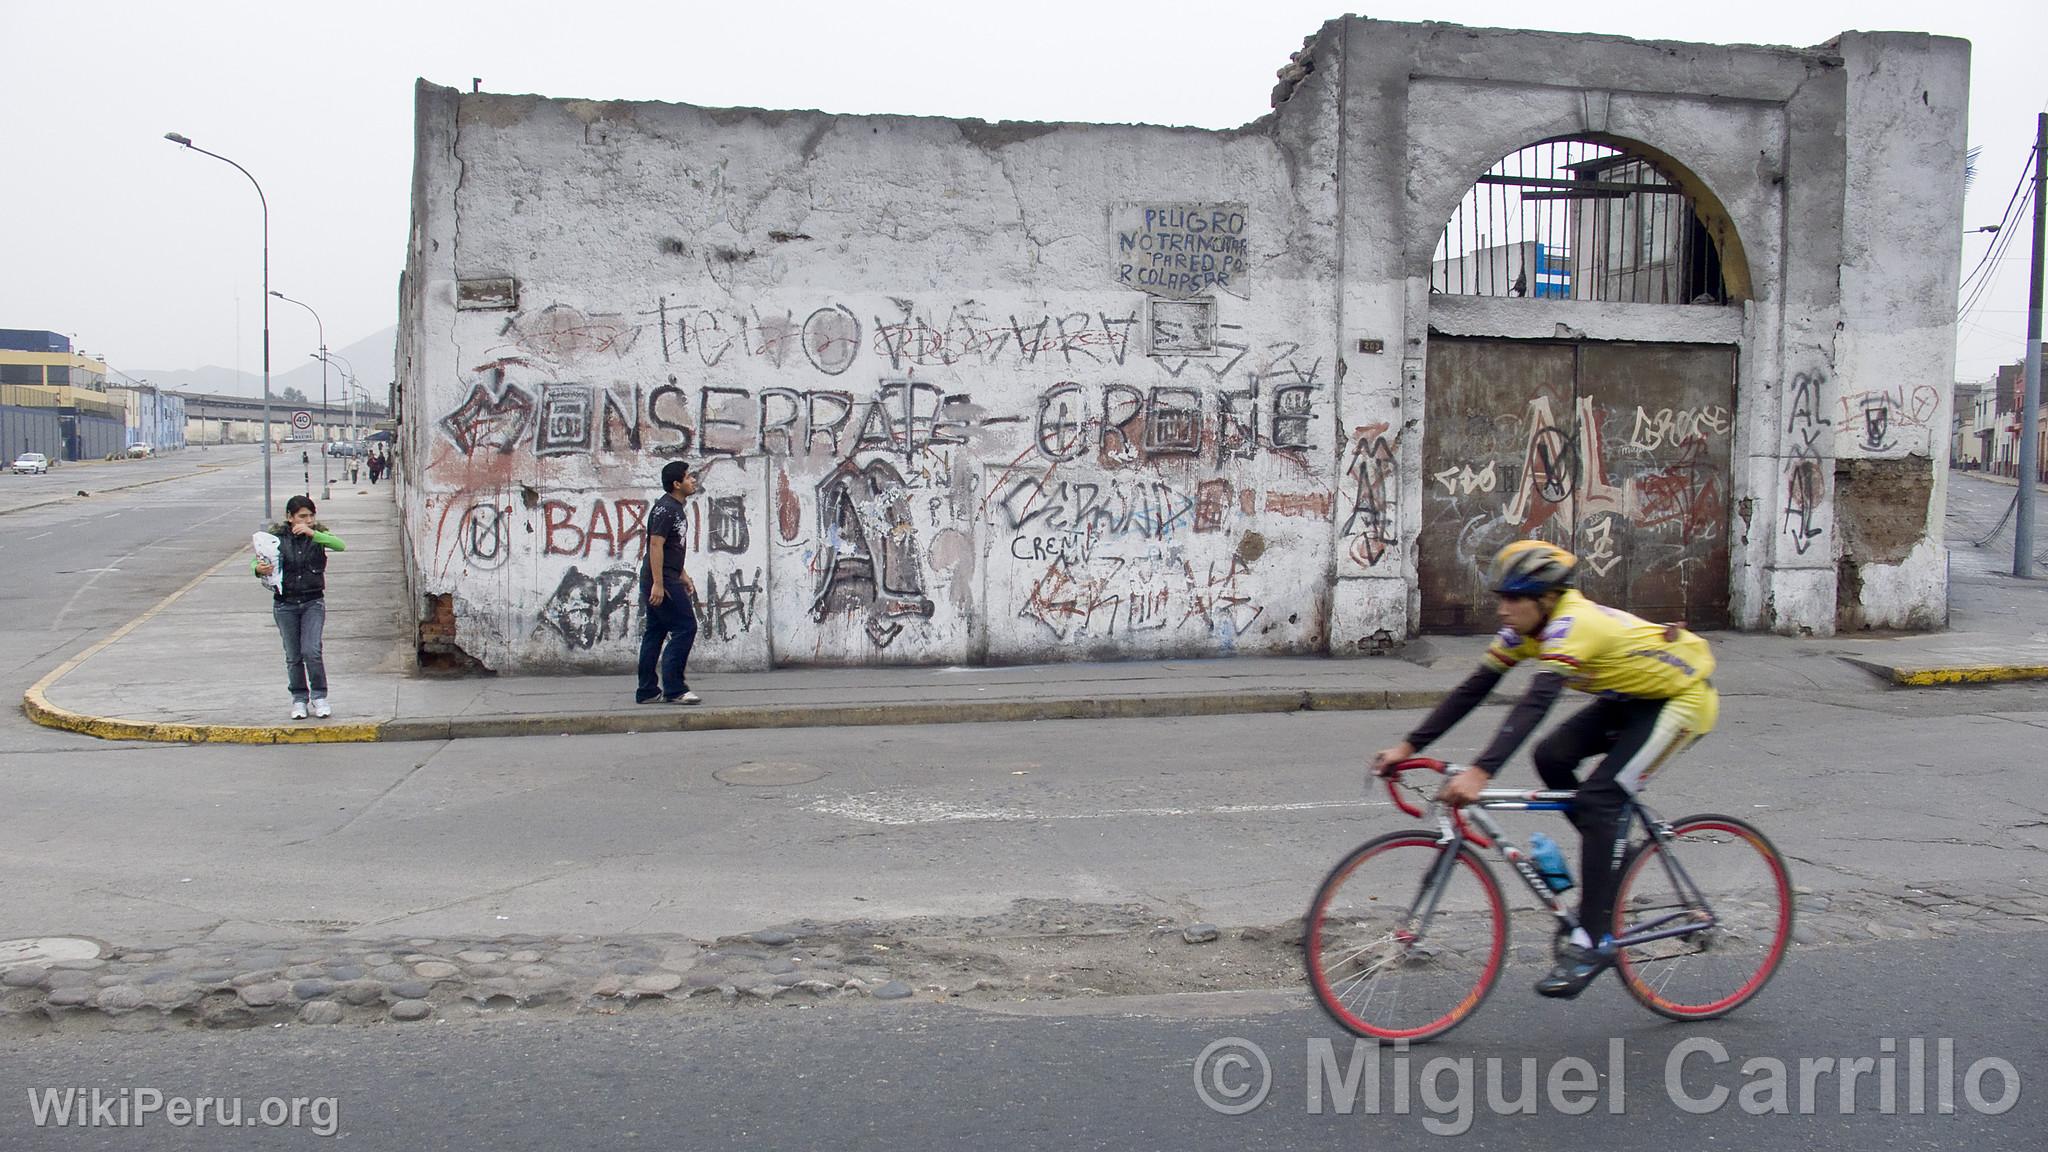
(1036, 950)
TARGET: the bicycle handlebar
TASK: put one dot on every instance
(1392, 775)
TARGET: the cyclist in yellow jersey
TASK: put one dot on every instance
(1654, 697)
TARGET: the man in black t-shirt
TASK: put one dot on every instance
(668, 593)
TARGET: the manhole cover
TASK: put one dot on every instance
(45, 950)
(770, 774)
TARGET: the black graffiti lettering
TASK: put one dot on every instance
(685, 436)
(1119, 427)
(727, 531)
(731, 607)
(947, 428)
(1237, 424)
(830, 429)
(875, 429)
(711, 347)
(485, 536)
(831, 338)
(780, 424)
(586, 610)
(1059, 423)
(621, 413)
(1173, 422)
(565, 425)
(1076, 340)
(1292, 405)
(706, 422)
(1118, 334)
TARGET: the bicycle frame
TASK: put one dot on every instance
(1453, 832)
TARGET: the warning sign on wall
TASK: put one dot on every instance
(1179, 250)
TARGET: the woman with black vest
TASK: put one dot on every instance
(300, 606)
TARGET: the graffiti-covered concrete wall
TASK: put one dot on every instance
(965, 392)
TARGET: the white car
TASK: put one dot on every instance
(32, 462)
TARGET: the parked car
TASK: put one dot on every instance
(33, 463)
(343, 448)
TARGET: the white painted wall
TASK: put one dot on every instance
(1046, 458)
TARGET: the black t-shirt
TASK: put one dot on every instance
(666, 523)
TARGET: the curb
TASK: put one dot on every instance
(1951, 675)
(36, 702)
(881, 715)
(38, 707)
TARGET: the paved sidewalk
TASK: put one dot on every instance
(202, 667)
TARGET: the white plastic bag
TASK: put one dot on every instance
(266, 547)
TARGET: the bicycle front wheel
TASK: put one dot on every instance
(1720, 874)
(1404, 943)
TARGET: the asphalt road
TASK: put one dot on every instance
(1124, 1077)
(1230, 819)
(77, 567)
(1980, 528)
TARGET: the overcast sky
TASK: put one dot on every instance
(150, 254)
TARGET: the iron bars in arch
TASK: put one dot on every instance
(1577, 219)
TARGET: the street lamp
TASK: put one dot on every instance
(326, 484)
(349, 373)
(185, 142)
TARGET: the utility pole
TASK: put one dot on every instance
(2030, 393)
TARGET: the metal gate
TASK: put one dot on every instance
(1619, 452)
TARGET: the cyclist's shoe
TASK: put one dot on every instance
(1576, 968)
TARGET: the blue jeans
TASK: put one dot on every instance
(300, 625)
(673, 621)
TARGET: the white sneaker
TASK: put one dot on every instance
(686, 698)
(298, 709)
(320, 707)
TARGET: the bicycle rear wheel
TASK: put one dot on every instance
(1394, 956)
(1716, 864)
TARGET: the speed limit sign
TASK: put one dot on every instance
(302, 421)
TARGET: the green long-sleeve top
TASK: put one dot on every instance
(321, 536)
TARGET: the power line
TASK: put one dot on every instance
(2007, 219)
(1997, 253)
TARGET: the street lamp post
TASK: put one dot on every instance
(348, 373)
(326, 484)
(185, 142)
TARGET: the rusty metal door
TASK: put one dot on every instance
(1619, 452)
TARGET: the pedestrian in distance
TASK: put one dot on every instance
(298, 582)
(669, 594)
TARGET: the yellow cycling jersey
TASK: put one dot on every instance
(1607, 652)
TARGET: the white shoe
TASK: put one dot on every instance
(320, 707)
(686, 698)
(298, 709)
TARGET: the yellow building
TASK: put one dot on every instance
(41, 372)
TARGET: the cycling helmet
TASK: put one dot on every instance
(1531, 568)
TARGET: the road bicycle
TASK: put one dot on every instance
(1409, 933)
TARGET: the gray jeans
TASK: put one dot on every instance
(300, 625)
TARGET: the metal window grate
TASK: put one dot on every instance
(1573, 219)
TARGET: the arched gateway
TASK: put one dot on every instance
(1617, 449)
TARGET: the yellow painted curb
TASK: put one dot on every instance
(1973, 674)
(36, 701)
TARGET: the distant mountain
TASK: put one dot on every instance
(371, 357)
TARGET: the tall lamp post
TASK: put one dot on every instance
(326, 484)
(348, 373)
(185, 142)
